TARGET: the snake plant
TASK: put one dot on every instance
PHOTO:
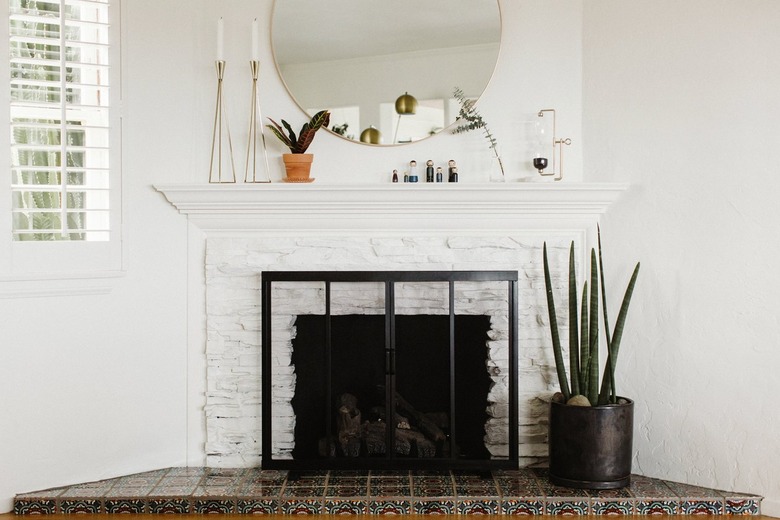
(584, 362)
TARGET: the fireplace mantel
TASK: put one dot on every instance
(220, 208)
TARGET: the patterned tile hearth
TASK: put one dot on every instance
(255, 491)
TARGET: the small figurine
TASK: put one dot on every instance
(453, 171)
(413, 171)
(429, 171)
(439, 174)
(395, 175)
(406, 176)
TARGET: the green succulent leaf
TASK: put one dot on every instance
(556, 340)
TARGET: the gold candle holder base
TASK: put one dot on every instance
(221, 135)
(255, 120)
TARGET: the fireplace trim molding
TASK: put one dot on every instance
(221, 208)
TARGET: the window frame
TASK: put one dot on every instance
(52, 260)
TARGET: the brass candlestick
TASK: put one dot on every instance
(221, 127)
(557, 172)
(255, 116)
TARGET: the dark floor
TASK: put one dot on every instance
(525, 491)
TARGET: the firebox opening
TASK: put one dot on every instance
(422, 376)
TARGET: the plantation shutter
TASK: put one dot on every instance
(59, 61)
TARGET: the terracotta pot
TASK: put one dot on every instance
(298, 166)
(591, 446)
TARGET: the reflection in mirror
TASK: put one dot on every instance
(358, 58)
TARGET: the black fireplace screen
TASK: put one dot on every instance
(379, 369)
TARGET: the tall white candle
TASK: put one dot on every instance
(220, 39)
(255, 39)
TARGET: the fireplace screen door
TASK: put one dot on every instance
(378, 369)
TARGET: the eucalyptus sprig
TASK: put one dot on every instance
(471, 119)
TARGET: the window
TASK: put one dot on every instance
(60, 205)
(60, 121)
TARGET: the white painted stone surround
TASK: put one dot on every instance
(254, 228)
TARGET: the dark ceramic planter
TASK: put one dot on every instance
(591, 446)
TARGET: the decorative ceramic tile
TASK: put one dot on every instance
(431, 473)
(389, 473)
(566, 507)
(34, 507)
(301, 507)
(268, 480)
(270, 475)
(172, 491)
(340, 473)
(251, 506)
(389, 490)
(389, 481)
(226, 472)
(434, 507)
(478, 507)
(474, 489)
(437, 480)
(46, 493)
(657, 507)
(128, 492)
(346, 491)
(124, 505)
(214, 506)
(259, 490)
(701, 507)
(390, 507)
(80, 506)
(516, 492)
(84, 493)
(307, 481)
(433, 490)
(689, 491)
(345, 507)
(172, 505)
(141, 480)
(520, 489)
(220, 480)
(551, 490)
(347, 481)
(214, 491)
(532, 506)
(611, 507)
(525, 473)
(184, 471)
(742, 506)
(179, 480)
(295, 492)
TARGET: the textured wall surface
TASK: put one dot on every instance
(681, 101)
(233, 268)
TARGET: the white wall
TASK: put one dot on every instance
(681, 100)
(103, 385)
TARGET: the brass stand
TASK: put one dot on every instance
(255, 116)
(220, 125)
(558, 175)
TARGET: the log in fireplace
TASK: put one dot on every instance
(389, 369)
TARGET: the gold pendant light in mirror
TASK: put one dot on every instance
(371, 136)
(406, 105)
(354, 58)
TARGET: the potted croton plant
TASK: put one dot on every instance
(297, 163)
(591, 427)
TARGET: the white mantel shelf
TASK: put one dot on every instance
(220, 208)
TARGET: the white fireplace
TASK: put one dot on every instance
(249, 229)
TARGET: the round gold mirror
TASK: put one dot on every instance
(363, 59)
